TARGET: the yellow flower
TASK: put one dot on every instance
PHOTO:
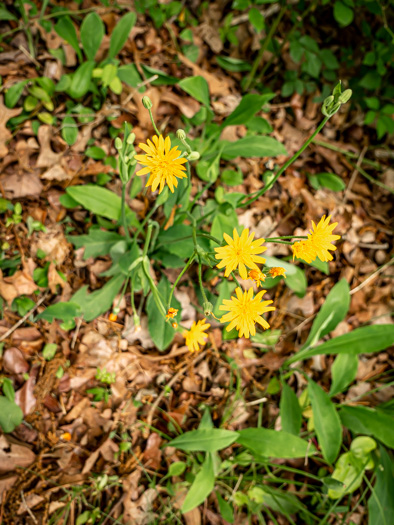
(171, 313)
(304, 250)
(276, 271)
(196, 336)
(245, 311)
(321, 238)
(257, 276)
(163, 163)
(240, 251)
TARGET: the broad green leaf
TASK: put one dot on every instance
(330, 181)
(253, 146)
(96, 242)
(295, 277)
(322, 266)
(92, 32)
(326, 420)
(129, 74)
(205, 440)
(162, 80)
(343, 14)
(224, 223)
(333, 311)
(6, 15)
(161, 332)
(177, 240)
(225, 289)
(231, 177)
(49, 351)
(14, 93)
(96, 153)
(290, 411)
(69, 130)
(274, 444)
(235, 65)
(96, 303)
(225, 508)
(101, 201)
(66, 30)
(247, 108)
(364, 340)
(63, 311)
(196, 87)
(11, 415)
(343, 372)
(381, 501)
(277, 500)
(201, 487)
(80, 82)
(349, 471)
(365, 420)
(121, 33)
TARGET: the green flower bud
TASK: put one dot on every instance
(147, 103)
(194, 155)
(207, 307)
(345, 97)
(116, 310)
(118, 143)
(131, 138)
(181, 134)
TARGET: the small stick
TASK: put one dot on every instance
(371, 277)
(26, 316)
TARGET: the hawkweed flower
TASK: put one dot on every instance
(162, 162)
(321, 238)
(240, 252)
(171, 313)
(257, 276)
(196, 335)
(304, 250)
(277, 271)
(244, 311)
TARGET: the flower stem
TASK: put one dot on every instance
(147, 240)
(286, 165)
(189, 262)
(123, 212)
(153, 123)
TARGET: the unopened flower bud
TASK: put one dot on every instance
(174, 325)
(207, 307)
(194, 155)
(146, 102)
(345, 97)
(118, 143)
(181, 134)
(116, 310)
(112, 317)
(131, 138)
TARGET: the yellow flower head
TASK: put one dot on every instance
(163, 163)
(304, 250)
(240, 252)
(196, 336)
(321, 238)
(171, 313)
(257, 276)
(276, 271)
(244, 311)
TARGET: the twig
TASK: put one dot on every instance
(173, 380)
(371, 179)
(371, 277)
(27, 508)
(26, 316)
(350, 154)
(354, 174)
(79, 322)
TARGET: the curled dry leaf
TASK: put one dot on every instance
(47, 156)
(25, 398)
(152, 454)
(53, 243)
(139, 512)
(21, 283)
(14, 362)
(5, 133)
(17, 186)
(5, 485)
(188, 106)
(13, 455)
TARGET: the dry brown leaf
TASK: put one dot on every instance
(5, 133)
(152, 454)
(107, 450)
(21, 283)
(5, 485)
(14, 362)
(13, 455)
(17, 186)
(47, 156)
(30, 501)
(216, 86)
(188, 105)
(24, 397)
(56, 172)
(53, 243)
(139, 512)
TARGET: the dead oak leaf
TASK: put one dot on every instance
(5, 133)
(47, 156)
(216, 85)
(13, 455)
(17, 185)
(21, 283)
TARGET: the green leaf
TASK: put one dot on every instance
(63, 311)
(343, 14)
(224, 224)
(295, 277)
(196, 87)
(11, 415)
(364, 340)
(247, 108)
(121, 33)
(312, 64)
(94, 304)
(206, 440)
(14, 93)
(69, 130)
(80, 82)
(349, 471)
(333, 311)
(231, 177)
(66, 30)
(290, 411)
(343, 371)
(177, 240)
(381, 501)
(254, 146)
(365, 420)
(162, 333)
(101, 201)
(326, 420)
(163, 80)
(330, 181)
(274, 444)
(129, 74)
(92, 32)
(201, 487)
(96, 242)
(225, 508)
(96, 153)
(6, 15)
(225, 289)
(49, 351)
(235, 65)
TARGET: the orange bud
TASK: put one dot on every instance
(112, 317)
